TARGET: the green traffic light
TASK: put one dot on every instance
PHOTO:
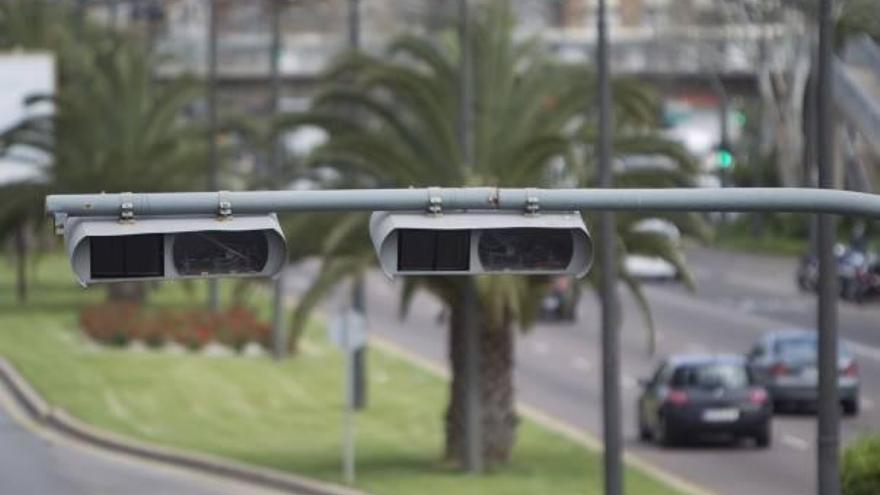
(724, 158)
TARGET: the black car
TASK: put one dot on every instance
(691, 396)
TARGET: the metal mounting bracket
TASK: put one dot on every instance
(533, 204)
(224, 206)
(126, 207)
(59, 219)
(435, 201)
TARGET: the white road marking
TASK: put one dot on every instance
(581, 363)
(794, 442)
(541, 348)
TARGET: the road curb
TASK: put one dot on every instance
(543, 419)
(61, 421)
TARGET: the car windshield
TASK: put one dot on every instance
(712, 375)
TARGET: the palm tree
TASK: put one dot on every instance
(530, 130)
(115, 129)
(27, 25)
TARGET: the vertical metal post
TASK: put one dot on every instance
(213, 287)
(811, 162)
(611, 401)
(113, 10)
(358, 297)
(473, 432)
(274, 68)
(279, 336)
(828, 469)
(465, 87)
(348, 426)
(279, 340)
(359, 305)
(21, 247)
(354, 25)
(80, 16)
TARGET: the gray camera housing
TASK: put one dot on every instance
(104, 249)
(481, 242)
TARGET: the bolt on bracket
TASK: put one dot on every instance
(126, 207)
(224, 206)
(435, 201)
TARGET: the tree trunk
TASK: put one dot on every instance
(499, 419)
(21, 263)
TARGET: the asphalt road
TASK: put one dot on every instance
(36, 461)
(739, 297)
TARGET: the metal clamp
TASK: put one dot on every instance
(126, 207)
(59, 219)
(533, 204)
(224, 205)
(435, 201)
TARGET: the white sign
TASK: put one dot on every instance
(348, 330)
(24, 75)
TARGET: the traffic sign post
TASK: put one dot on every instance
(349, 333)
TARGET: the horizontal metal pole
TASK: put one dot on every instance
(801, 200)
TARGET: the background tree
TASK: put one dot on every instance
(530, 130)
(113, 128)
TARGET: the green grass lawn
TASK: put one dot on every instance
(286, 416)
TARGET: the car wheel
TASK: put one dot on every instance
(764, 436)
(664, 434)
(851, 407)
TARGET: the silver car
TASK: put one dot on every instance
(785, 363)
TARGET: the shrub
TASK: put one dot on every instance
(117, 323)
(860, 471)
(110, 323)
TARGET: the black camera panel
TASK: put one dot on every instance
(129, 256)
(425, 250)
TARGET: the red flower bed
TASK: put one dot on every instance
(117, 323)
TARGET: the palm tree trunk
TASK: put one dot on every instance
(499, 418)
(21, 263)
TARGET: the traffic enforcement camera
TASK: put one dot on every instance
(479, 242)
(110, 250)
